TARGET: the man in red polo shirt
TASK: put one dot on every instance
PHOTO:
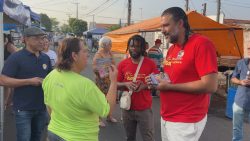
(140, 112)
(192, 69)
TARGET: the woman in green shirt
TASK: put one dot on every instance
(74, 102)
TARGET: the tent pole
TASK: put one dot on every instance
(1, 88)
(236, 43)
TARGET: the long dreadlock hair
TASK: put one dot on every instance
(141, 41)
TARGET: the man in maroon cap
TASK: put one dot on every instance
(156, 55)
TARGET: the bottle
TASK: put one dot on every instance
(248, 75)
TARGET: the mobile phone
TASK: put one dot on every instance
(153, 79)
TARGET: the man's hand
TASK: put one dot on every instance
(35, 81)
(131, 85)
(149, 83)
(140, 86)
(163, 84)
(245, 82)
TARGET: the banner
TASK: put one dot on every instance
(16, 10)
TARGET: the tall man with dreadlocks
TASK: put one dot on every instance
(140, 112)
(192, 68)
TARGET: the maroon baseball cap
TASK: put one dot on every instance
(158, 41)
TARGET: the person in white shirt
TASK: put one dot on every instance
(52, 54)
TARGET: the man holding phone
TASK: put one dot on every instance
(241, 77)
(192, 68)
(140, 112)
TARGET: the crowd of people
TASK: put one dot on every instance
(49, 88)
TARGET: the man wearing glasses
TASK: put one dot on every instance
(28, 101)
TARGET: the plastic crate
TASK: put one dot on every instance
(230, 100)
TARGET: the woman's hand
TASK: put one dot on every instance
(113, 73)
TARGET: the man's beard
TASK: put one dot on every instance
(134, 55)
(172, 37)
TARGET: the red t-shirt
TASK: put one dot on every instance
(126, 69)
(197, 59)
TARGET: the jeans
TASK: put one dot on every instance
(238, 120)
(54, 137)
(30, 124)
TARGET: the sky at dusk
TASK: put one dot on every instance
(110, 11)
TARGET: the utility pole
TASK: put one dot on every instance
(129, 11)
(141, 12)
(187, 2)
(93, 20)
(76, 3)
(204, 8)
(218, 10)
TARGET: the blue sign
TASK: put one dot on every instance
(7, 27)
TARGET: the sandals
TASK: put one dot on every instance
(101, 124)
(111, 119)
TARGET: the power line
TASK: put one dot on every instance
(193, 5)
(237, 5)
(224, 9)
(57, 3)
(124, 8)
(244, 3)
(107, 17)
(106, 7)
(45, 2)
(49, 10)
(98, 7)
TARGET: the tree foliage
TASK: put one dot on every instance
(45, 21)
(114, 27)
(54, 24)
(78, 26)
(65, 28)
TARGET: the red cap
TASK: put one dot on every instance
(158, 41)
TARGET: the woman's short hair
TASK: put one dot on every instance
(68, 46)
(104, 41)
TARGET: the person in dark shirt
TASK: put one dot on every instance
(28, 102)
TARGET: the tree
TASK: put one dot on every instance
(78, 26)
(71, 21)
(114, 27)
(66, 28)
(45, 22)
(54, 24)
